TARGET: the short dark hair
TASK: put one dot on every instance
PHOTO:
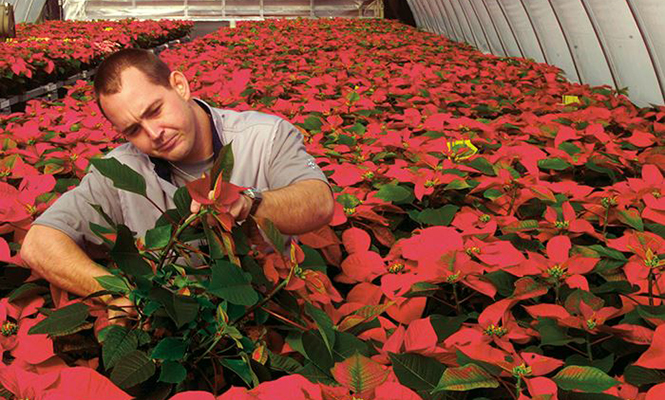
(107, 77)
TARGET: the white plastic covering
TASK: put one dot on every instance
(220, 10)
(26, 10)
(620, 43)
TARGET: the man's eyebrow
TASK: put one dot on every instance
(148, 109)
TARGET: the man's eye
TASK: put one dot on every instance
(131, 132)
(155, 112)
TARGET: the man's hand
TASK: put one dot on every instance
(121, 317)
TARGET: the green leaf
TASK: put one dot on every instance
(127, 256)
(223, 164)
(557, 164)
(240, 367)
(231, 283)
(603, 364)
(492, 194)
(169, 348)
(417, 372)
(113, 284)
(123, 177)
(551, 333)
(315, 374)
(282, 363)
(181, 309)
(393, 192)
(158, 237)
(182, 201)
(118, 342)
(62, 321)
(26, 290)
(359, 373)
(438, 216)
(482, 165)
(658, 229)
(315, 350)
(324, 325)
(275, 237)
(313, 124)
(347, 344)
(132, 369)
(586, 379)
(607, 252)
(172, 372)
(465, 378)
(640, 376)
(446, 326)
(631, 217)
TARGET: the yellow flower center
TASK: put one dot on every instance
(430, 183)
(368, 175)
(608, 202)
(556, 271)
(485, 218)
(656, 194)
(349, 211)
(591, 323)
(454, 277)
(521, 370)
(473, 250)
(9, 328)
(494, 330)
(562, 224)
(396, 268)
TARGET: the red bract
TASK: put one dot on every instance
(559, 266)
(16, 323)
(646, 248)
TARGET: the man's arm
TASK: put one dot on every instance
(57, 258)
(298, 208)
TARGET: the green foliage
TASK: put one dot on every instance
(62, 321)
(123, 177)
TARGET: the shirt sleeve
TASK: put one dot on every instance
(289, 161)
(72, 212)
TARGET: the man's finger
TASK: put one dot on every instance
(194, 207)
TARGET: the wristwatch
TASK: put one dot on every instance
(256, 196)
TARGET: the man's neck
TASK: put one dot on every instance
(203, 148)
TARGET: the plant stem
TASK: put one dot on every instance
(164, 255)
(588, 347)
(283, 318)
(457, 306)
(650, 278)
(573, 348)
(270, 295)
(510, 391)
(518, 387)
(607, 214)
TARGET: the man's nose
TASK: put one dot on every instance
(153, 129)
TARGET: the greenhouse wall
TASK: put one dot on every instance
(620, 43)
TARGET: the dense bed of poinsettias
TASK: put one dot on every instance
(489, 241)
(43, 53)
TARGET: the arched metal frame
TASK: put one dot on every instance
(589, 50)
(535, 32)
(565, 37)
(496, 30)
(650, 48)
(603, 47)
(482, 26)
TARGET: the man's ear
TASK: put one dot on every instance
(180, 85)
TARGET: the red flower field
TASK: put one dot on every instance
(489, 241)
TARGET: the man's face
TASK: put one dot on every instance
(159, 121)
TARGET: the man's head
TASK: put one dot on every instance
(149, 104)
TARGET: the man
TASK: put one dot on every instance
(173, 138)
